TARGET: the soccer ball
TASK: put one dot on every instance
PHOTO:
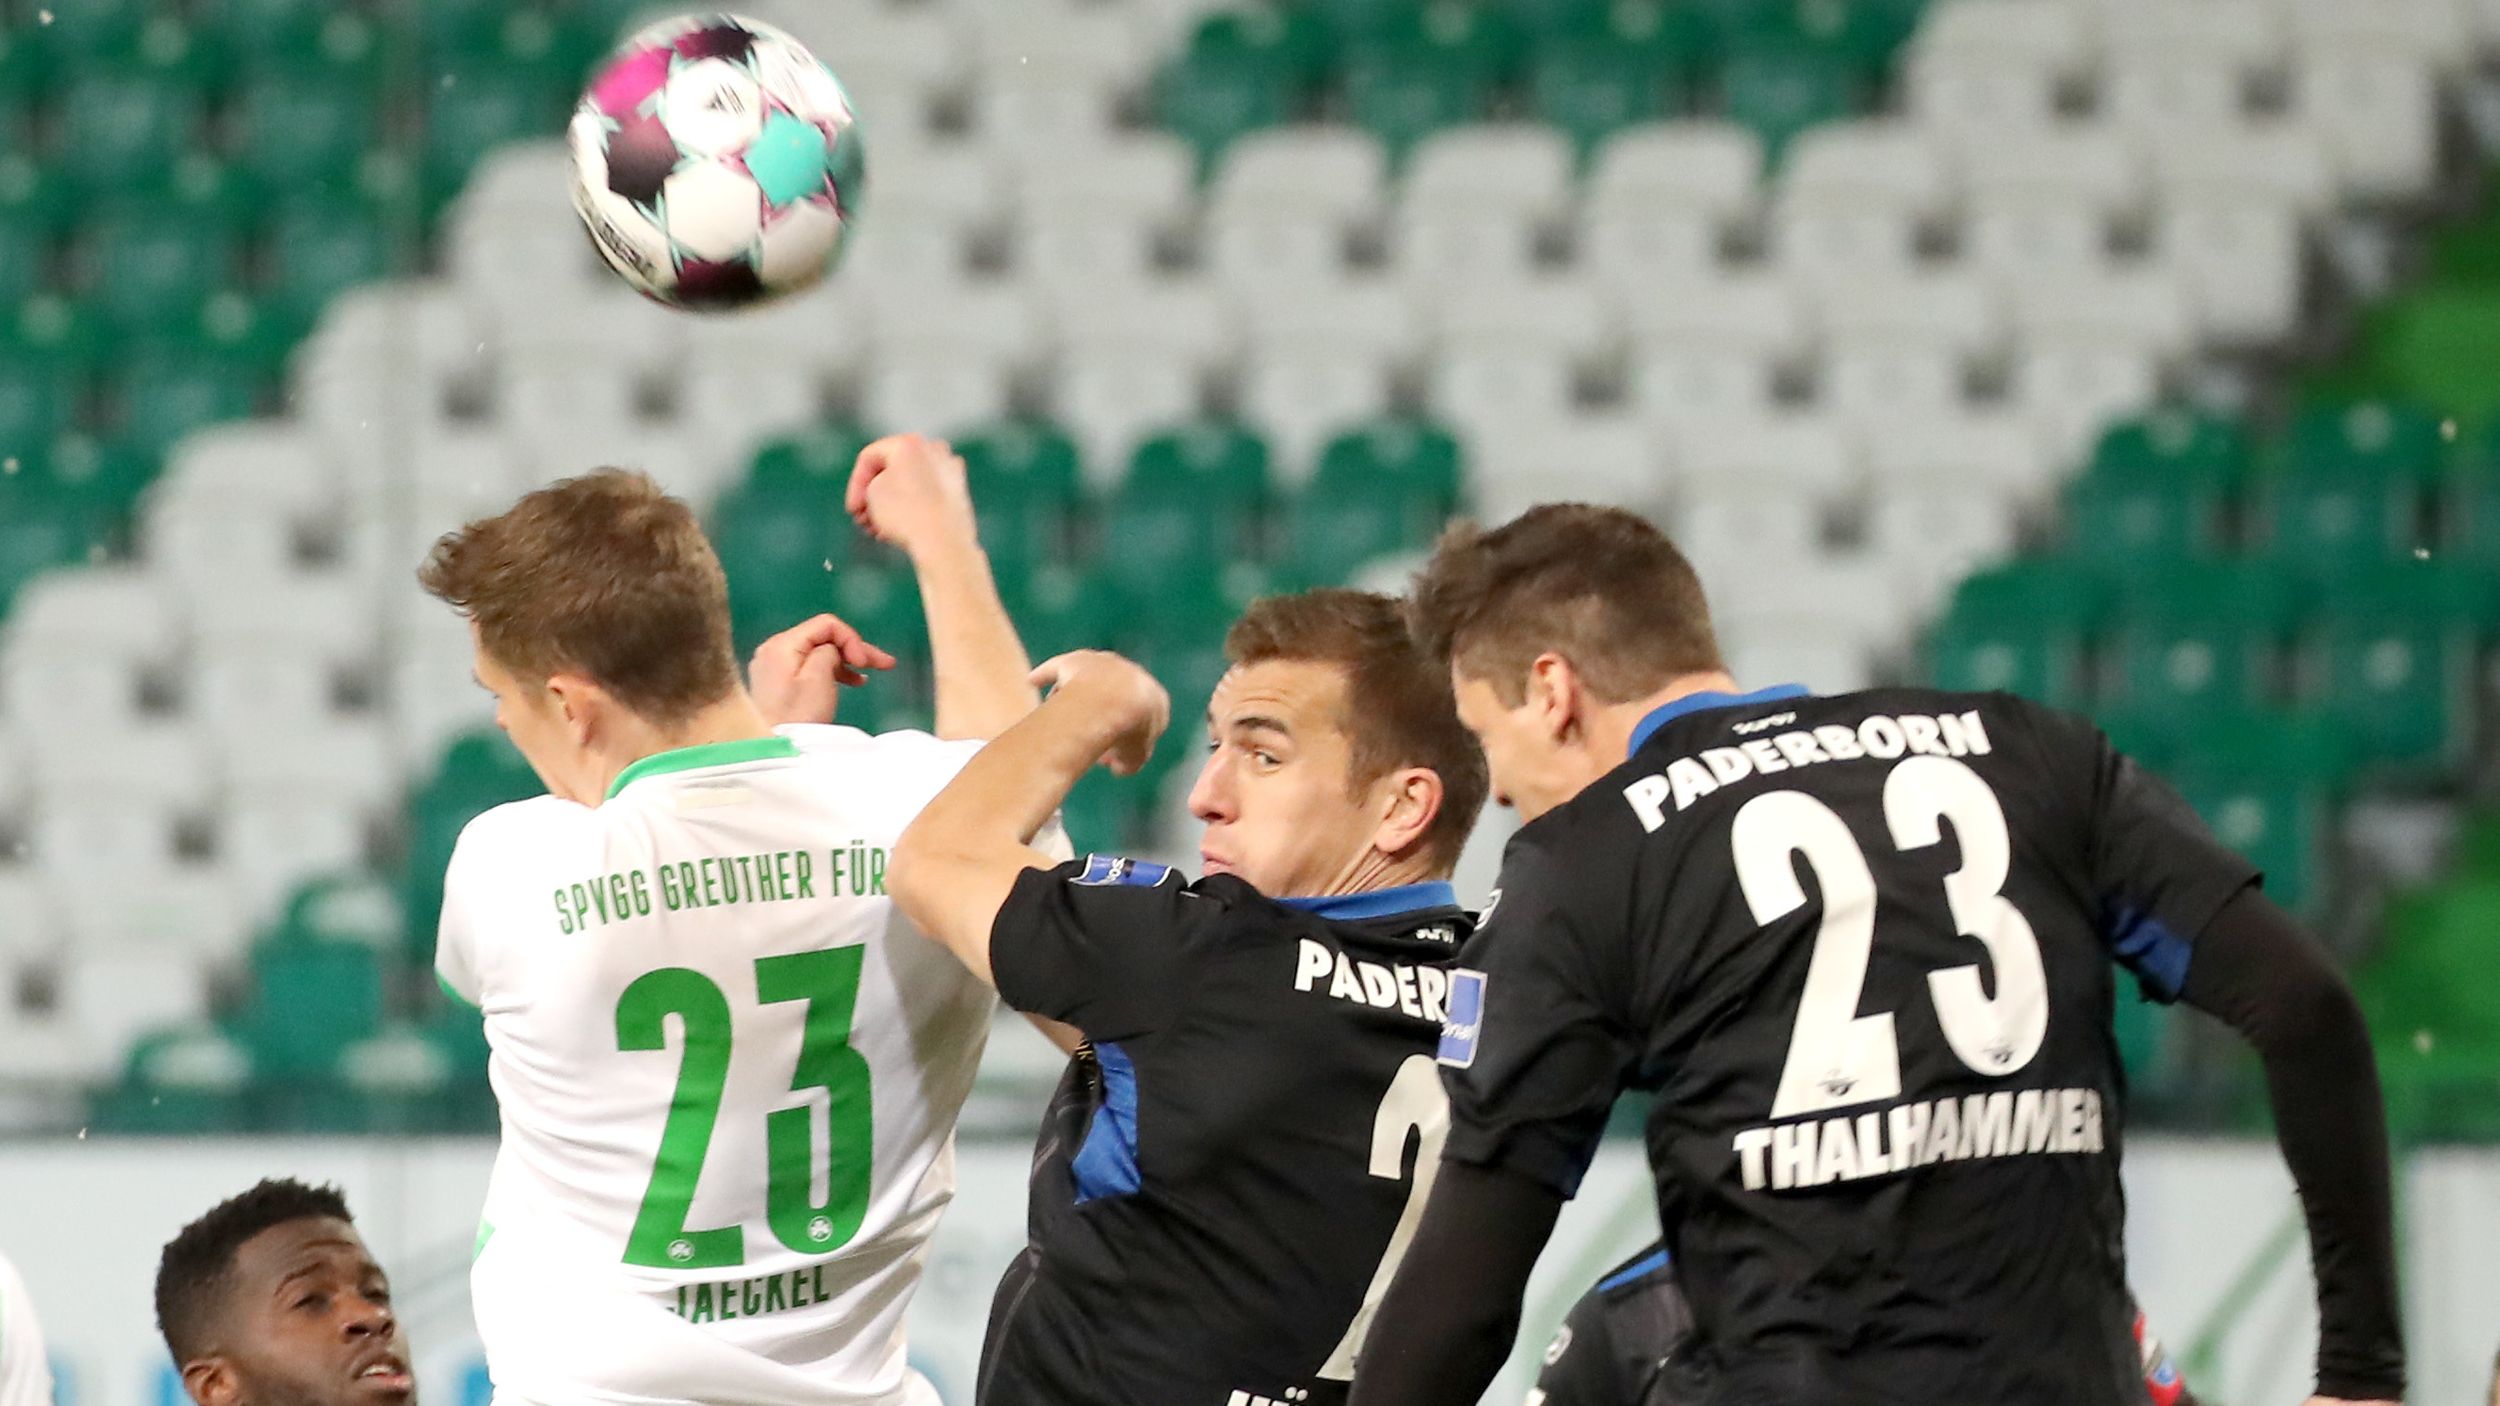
(716, 162)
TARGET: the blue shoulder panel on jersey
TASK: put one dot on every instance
(1104, 870)
(1107, 1164)
(1647, 727)
(1466, 1018)
(1638, 1269)
(2150, 950)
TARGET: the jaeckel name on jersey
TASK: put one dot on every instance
(1864, 949)
(1229, 1170)
(729, 1074)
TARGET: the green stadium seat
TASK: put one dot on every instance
(2473, 529)
(1103, 812)
(38, 401)
(2386, 439)
(36, 195)
(312, 1000)
(1027, 483)
(1191, 612)
(2021, 628)
(2277, 810)
(189, 1081)
(352, 908)
(1404, 92)
(2143, 513)
(33, 542)
(1330, 537)
(883, 603)
(2434, 343)
(1856, 33)
(93, 482)
(298, 133)
(1209, 99)
(477, 107)
(165, 396)
(818, 459)
(1293, 37)
(1416, 461)
(477, 772)
(319, 248)
(58, 330)
(1192, 496)
(26, 68)
(2176, 444)
(2334, 519)
(775, 533)
(1778, 92)
(153, 265)
(1475, 38)
(2476, 854)
(1058, 608)
(120, 128)
(2201, 634)
(2396, 659)
(398, 1080)
(1593, 86)
(458, 29)
(25, 261)
(1353, 21)
(88, 32)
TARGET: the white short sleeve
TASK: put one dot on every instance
(498, 854)
(25, 1370)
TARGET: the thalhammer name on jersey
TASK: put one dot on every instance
(1882, 737)
(1794, 1156)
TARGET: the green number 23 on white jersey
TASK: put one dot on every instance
(829, 982)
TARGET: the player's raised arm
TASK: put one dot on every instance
(953, 868)
(909, 490)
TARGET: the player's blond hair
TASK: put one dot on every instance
(603, 575)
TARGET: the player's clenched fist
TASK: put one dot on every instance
(908, 490)
(1131, 706)
(797, 675)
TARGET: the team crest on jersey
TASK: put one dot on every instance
(1466, 1022)
(1104, 870)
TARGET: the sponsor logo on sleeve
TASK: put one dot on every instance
(1107, 870)
(1466, 1019)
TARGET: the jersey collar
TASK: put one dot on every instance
(1379, 903)
(754, 749)
(1703, 702)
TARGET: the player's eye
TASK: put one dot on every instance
(314, 1302)
(1266, 758)
(379, 1294)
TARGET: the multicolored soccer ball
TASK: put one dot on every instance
(717, 163)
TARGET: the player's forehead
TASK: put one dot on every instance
(291, 1249)
(1300, 697)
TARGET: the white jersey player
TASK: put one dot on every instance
(25, 1372)
(728, 1071)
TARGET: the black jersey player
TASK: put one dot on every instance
(1629, 1342)
(1862, 948)
(1240, 1152)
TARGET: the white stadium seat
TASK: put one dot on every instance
(1300, 396)
(1341, 172)
(269, 841)
(1825, 660)
(2139, 306)
(2377, 111)
(2085, 162)
(1719, 520)
(2015, 236)
(2071, 388)
(1875, 381)
(1372, 315)
(1952, 308)
(1935, 536)
(1517, 464)
(2243, 262)
(1112, 396)
(31, 926)
(1714, 168)
(1994, 65)
(1810, 456)
(2279, 162)
(1754, 311)
(1670, 384)
(1489, 386)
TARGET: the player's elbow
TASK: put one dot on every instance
(912, 872)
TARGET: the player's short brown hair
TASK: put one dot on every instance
(1599, 586)
(603, 575)
(1397, 706)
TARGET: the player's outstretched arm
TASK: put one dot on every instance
(2255, 969)
(955, 865)
(909, 490)
(1482, 1231)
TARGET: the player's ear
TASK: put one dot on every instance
(578, 703)
(1410, 798)
(1554, 691)
(212, 1381)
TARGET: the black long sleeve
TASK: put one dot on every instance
(1452, 1312)
(2258, 972)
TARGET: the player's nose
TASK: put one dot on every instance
(1210, 798)
(364, 1317)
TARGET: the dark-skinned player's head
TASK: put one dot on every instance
(1336, 762)
(271, 1299)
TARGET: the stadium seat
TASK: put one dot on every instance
(2023, 628)
(2267, 785)
(1402, 92)
(2384, 439)
(2131, 511)
(1212, 98)
(1779, 93)
(119, 123)
(2201, 634)
(2244, 263)
(2396, 659)
(1058, 608)
(2378, 114)
(2329, 519)
(1027, 481)
(190, 1080)
(311, 1001)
